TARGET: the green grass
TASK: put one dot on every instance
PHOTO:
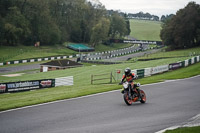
(185, 130)
(8, 53)
(145, 29)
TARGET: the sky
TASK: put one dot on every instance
(154, 7)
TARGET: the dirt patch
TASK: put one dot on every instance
(13, 75)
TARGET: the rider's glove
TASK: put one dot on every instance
(136, 76)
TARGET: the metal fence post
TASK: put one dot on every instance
(111, 77)
(91, 79)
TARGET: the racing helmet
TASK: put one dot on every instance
(127, 71)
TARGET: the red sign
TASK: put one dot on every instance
(118, 71)
(46, 83)
(2, 87)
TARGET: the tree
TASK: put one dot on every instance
(165, 18)
(43, 26)
(57, 21)
(118, 27)
(182, 30)
(100, 31)
(16, 27)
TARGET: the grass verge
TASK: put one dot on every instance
(145, 29)
(82, 87)
(185, 130)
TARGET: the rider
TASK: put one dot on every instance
(129, 77)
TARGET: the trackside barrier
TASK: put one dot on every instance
(186, 63)
(64, 81)
(35, 84)
(165, 68)
(159, 69)
(140, 73)
(182, 63)
(197, 58)
(35, 60)
(26, 85)
(174, 66)
(147, 72)
(134, 71)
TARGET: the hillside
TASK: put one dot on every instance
(145, 29)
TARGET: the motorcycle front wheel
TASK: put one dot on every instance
(127, 100)
(143, 96)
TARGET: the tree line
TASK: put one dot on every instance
(165, 18)
(57, 21)
(141, 15)
(183, 29)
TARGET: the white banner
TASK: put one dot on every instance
(64, 81)
(45, 69)
(186, 62)
(147, 72)
(192, 60)
(159, 69)
(134, 71)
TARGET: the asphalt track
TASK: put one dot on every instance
(126, 57)
(169, 103)
(10, 69)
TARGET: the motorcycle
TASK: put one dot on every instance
(130, 95)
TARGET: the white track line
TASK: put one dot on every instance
(194, 121)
